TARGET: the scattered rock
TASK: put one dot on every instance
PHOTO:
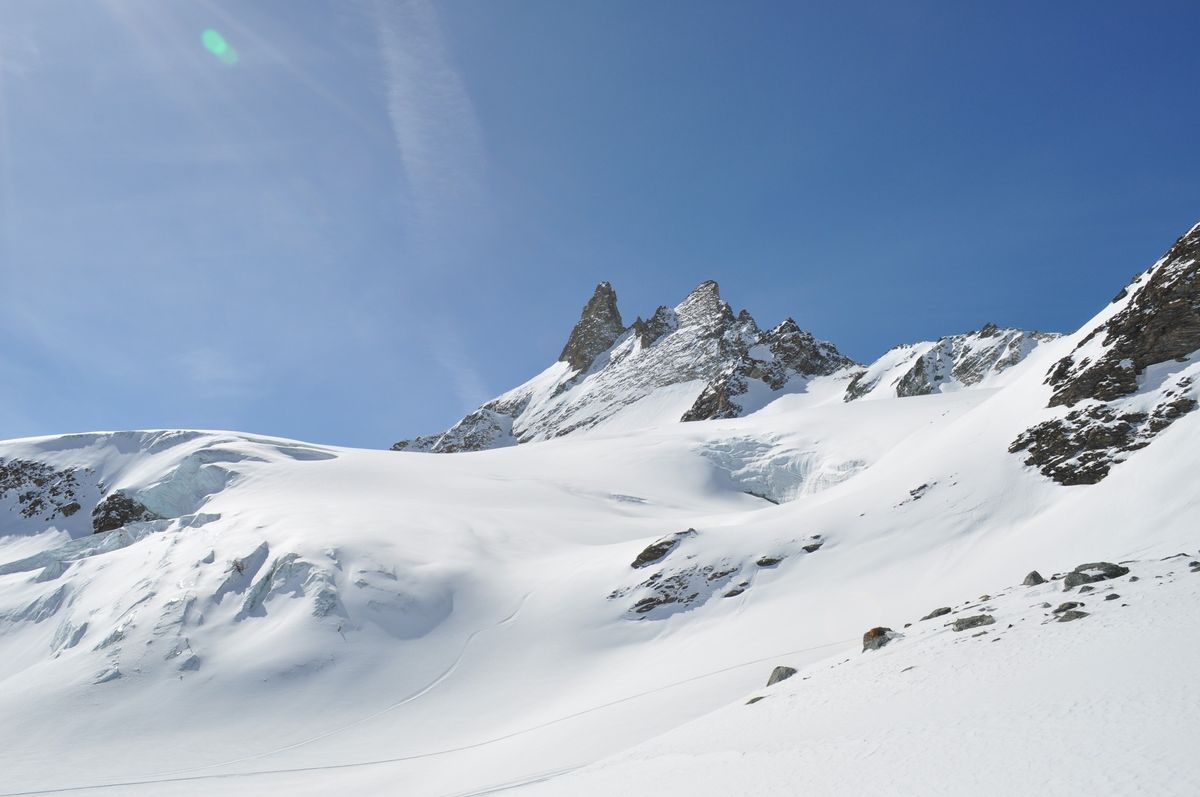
(1073, 614)
(754, 700)
(1134, 578)
(769, 561)
(813, 547)
(877, 637)
(1112, 596)
(1067, 606)
(780, 673)
(944, 610)
(963, 623)
(981, 633)
(1033, 579)
(1086, 588)
(733, 593)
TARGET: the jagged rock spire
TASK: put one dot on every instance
(598, 328)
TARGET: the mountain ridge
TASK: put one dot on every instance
(741, 367)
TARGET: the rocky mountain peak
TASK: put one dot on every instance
(598, 328)
(704, 308)
(719, 365)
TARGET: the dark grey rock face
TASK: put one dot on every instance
(1033, 579)
(1082, 447)
(598, 328)
(942, 612)
(877, 637)
(678, 588)
(659, 324)
(780, 673)
(119, 510)
(1159, 324)
(790, 351)
(1073, 580)
(657, 551)
(963, 623)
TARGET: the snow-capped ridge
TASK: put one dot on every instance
(954, 362)
(715, 364)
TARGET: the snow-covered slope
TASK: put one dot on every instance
(271, 617)
(1026, 704)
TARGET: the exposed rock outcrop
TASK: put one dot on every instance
(118, 510)
(975, 621)
(1129, 378)
(780, 673)
(598, 328)
(658, 550)
(1092, 572)
(954, 362)
(40, 490)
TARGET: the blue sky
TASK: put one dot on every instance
(386, 212)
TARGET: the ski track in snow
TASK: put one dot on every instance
(163, 778)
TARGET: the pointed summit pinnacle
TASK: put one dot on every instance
(598, 328)
(703, 307)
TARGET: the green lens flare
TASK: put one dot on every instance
(215, 43)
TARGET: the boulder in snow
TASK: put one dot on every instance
(780, 673)
(963, 623)
(877, 637)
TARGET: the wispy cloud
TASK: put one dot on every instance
(452, 356)
(214, 375)
(433, 120)
(19, 52)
